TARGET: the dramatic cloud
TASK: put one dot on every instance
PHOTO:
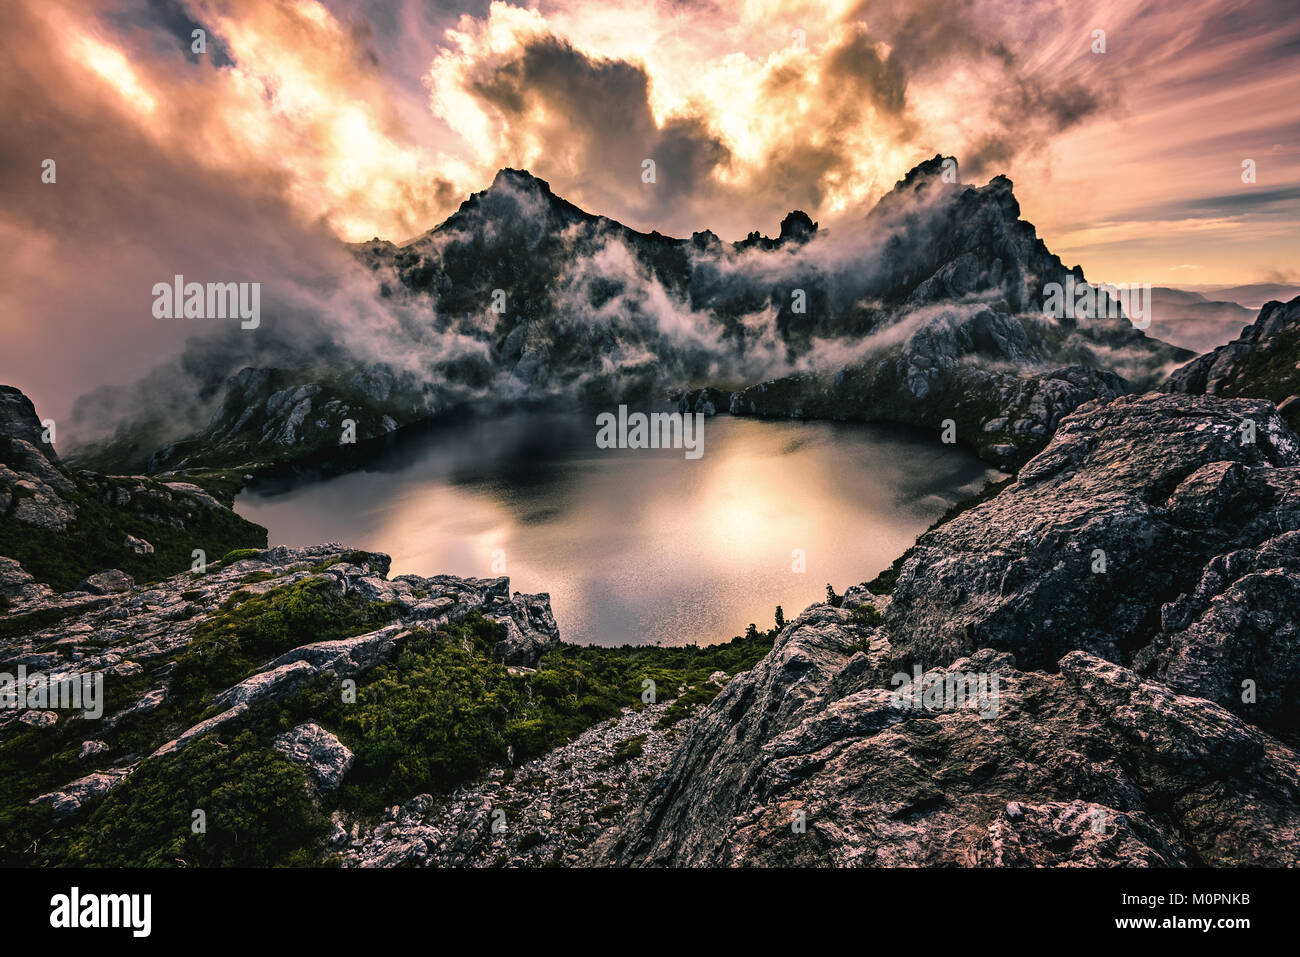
(309, 122)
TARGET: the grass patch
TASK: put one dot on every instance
(693, 698)
(531, 840)
(239, 554)
(866, 614)
(624, 751)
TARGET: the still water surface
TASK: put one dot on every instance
(638, 546)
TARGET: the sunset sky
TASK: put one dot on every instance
(308, 122)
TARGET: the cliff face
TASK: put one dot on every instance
(63, 524)
(1142, 707)
(1263, 362)
(1122, 512)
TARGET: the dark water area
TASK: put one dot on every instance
(640, 546)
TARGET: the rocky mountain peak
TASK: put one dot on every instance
(921, 184)
(581, 293)
(1001, 191)
(798, 226)
(18, 420)
(508, 177)
(923, 173)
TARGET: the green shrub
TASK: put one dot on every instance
(866, 614)
(239, 637)
(258, 812)
(239, 554)
(687, 703)
(432, 719)
(624, 751)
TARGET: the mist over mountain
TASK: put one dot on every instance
(521, 296)
(1193, 321)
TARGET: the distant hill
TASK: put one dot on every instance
(1190, 320)
(1251, 295)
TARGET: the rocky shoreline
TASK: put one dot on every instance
(1145, 716)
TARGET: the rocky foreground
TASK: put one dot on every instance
(174, 707)
(1097, 666)
(110, 626)
(1136, 593)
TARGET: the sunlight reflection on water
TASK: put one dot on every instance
(639, 546)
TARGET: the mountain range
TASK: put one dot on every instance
(926, 308)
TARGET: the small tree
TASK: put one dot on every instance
(833, 599)
(780, 618)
